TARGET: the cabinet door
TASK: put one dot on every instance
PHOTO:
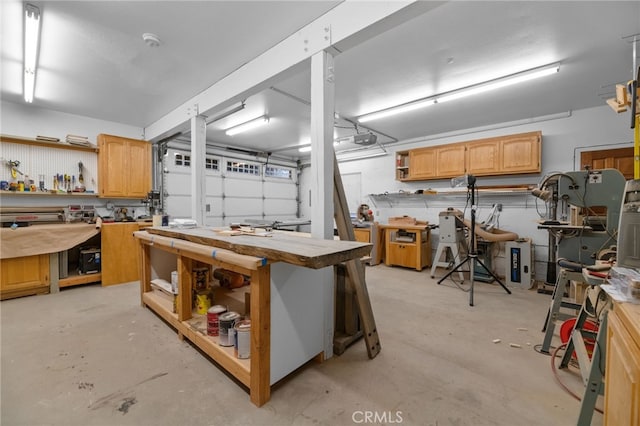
(120, 262)
(402, 254)
(422, 163)
(124, 167)
(362, 234)
(483, 158)
(21, 274)
(521, 153)
(139, 170)
(113, 164)
(450, 161)
(622, 390)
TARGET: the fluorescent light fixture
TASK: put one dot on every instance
(249, 125)
(486, 86)
(31, 42)
(307, 148)
(225, 114)
(411, 106)
(499, 83)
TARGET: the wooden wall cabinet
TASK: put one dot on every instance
(520, 153)
(450, 160)
(124, 167)
(483, 158)
(422, 163)
(23, 276)
(504, 155)
(622, 379)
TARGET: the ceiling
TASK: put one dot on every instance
(93, 62)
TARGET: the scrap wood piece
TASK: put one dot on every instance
(355, 268)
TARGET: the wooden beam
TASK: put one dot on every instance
(355, 268)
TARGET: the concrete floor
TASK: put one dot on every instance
(92, 356)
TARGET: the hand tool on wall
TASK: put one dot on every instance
(13, 165)
(80, 177)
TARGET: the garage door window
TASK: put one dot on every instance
(242, 167)
(278, 172)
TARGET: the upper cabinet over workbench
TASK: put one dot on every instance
(503, 155)
(124, 167)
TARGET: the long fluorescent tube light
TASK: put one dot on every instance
(307, 148)
(499, 83)
(465, 91)
(411, 106)
(31, 42)
(251, 124)
(225, 114)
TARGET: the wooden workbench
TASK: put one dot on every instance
(286, 302)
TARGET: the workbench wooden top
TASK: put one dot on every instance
(281, 246)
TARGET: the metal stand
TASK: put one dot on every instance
(591, 369)
(473, 253)
(553, 313)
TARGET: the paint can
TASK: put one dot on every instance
(200, 278)
(227, 332)
(213, 319)
(203, 302)
(242, 346)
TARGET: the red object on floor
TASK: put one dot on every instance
(567, 327)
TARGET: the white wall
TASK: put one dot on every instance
(562, 141)
(28, 121)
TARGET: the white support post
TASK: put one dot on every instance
(198, 155)
(322, 110)
(322, 158)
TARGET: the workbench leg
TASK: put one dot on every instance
(54, 273)
(145, 270)
(260, 388)
(185, 285)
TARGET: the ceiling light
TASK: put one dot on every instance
(307, 148)
(225, 114)
(251, 124)
(421, 103)
(31, 42)
(499, 83)
(486, 86)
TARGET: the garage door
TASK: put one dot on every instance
(237, 190)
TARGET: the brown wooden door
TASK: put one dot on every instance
(619, 158)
